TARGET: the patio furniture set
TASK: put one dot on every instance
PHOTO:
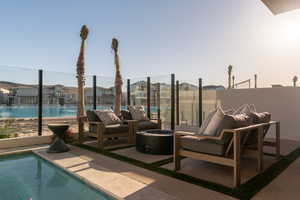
(222, 139)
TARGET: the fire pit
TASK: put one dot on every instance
(155, 142)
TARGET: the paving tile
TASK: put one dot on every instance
(147, 158)
(219, 173)
(128, 181)
(285, 186)
(286, 146)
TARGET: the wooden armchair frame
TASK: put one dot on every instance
(101, 132)
(230, 160)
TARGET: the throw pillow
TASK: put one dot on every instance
(138, 113)
(215, 123)
(108, 117)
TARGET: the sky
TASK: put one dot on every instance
(192, 38)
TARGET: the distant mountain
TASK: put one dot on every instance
(213, 87)
(8, 85)
(184, 86)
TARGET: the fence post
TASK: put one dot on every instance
(148, 97)
(128, 92)
(200, 102)
(158, 100)
(177, 102)
(94, 92)
(40, 103)
(172, 102)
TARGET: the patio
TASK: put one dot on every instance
(110, 174)
(111, 163)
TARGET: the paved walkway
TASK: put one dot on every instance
(127, 181)
(285, 186)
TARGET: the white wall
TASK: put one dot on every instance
(282, 103)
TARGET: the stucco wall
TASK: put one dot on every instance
(282, 103)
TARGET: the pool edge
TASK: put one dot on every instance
(83, 179)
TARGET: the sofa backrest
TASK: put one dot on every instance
(126, 115)
(92, 116)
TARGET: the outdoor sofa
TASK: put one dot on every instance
(98, 129)
(237, 135)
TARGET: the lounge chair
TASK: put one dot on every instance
(224, 149)
(101, 131)
(141, 124)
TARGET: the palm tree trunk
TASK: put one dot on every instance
(81, 83)
(118, 79)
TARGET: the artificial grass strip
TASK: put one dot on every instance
(162, 162)
(245, 191)
(167, 172)
(119, 148)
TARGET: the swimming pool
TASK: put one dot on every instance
(29, 177)
(31, 111)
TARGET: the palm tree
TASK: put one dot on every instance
(233, 81)
(81, 81)
(255, 80)
(295, 79)
(229, 76)
(118, 78)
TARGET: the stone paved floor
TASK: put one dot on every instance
(285, 186)
(125, 180)
(131, 182)
(147, 158)
(222, 174)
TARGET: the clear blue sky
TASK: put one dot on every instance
(191, 38)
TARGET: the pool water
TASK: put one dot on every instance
(29, 177)
(31, 111)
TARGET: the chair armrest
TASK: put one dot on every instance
(184, 133)
(130, 121)
(255, 126)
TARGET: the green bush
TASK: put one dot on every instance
(7, 129)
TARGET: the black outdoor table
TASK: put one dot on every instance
(155, 141)
(58, 145)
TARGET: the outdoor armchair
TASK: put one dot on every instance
(225, 149)
(102, 132)
(142, 124)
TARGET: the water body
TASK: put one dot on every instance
(29, 177)
(31, 111)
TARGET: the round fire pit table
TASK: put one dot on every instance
(155, 141)
(58, 145)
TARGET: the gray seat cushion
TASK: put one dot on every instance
(216, 147)
(145, 125)
(110, 129)
(207, 146)
(116, 128)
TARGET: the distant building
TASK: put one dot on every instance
(29, 95)
(104, 96)
(4, 93)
